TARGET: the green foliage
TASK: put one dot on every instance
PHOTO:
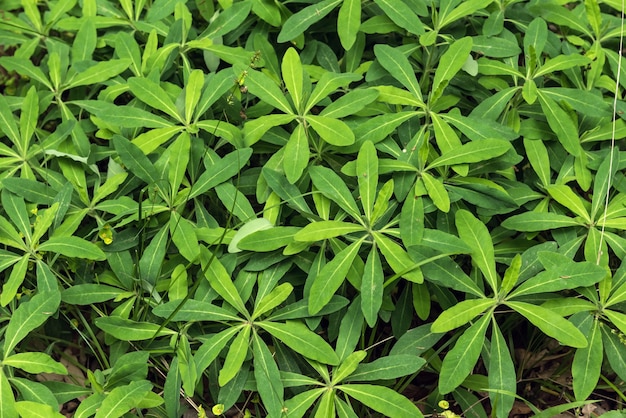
(235, 203)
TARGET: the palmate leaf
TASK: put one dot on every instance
(382, 399)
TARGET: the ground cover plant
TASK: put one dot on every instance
(313, 208)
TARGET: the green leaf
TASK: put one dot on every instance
(348, 365)
(501, 374)
(397, 64)
(123, 398)
(302, 20)
(333, 131)
(349, 103)
(302, 340)
(149, 266)
(220, 171)
(327, 84)
(550, 324)
(36, 410)
(211, 348)
(465, 8)
(194, 310)
(412, 220)
(382, 399)
(447, 272)
(25, 67)
(472, 152)
(367, 175)
(28, 119)
(536, 221)
(124, 116)
(8, 124)
(437, 192)
(496, 47)
(268, 239)
(300, 404)
(322, 230)
(537, 155)
(35, 363)
(28, 316)
(266, 89)
(72, 247)
(86, 294)
(129, 330)
(561, 124)
(477, 237)
(15, 207)
(273, 299)
(183, 233)
(125, 46)
(377, 128)
(236, 355)
(402, 15)
(460, 314)
(398, 259)
(97, 73)
(560, 63)
(296, 154)
(372, 287)
(461, 359)
(268, 11)
(333, 187)
(229, 20)
(218, 277)
(566, 197)
(217, 84)
(348, 22)
(452, 61)
(267, 377)
(153, 95)
(332, 275)
(12, 284)
(586, 102)
(391, 366)
(293, 76)
(587, 363)
(7, 399)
